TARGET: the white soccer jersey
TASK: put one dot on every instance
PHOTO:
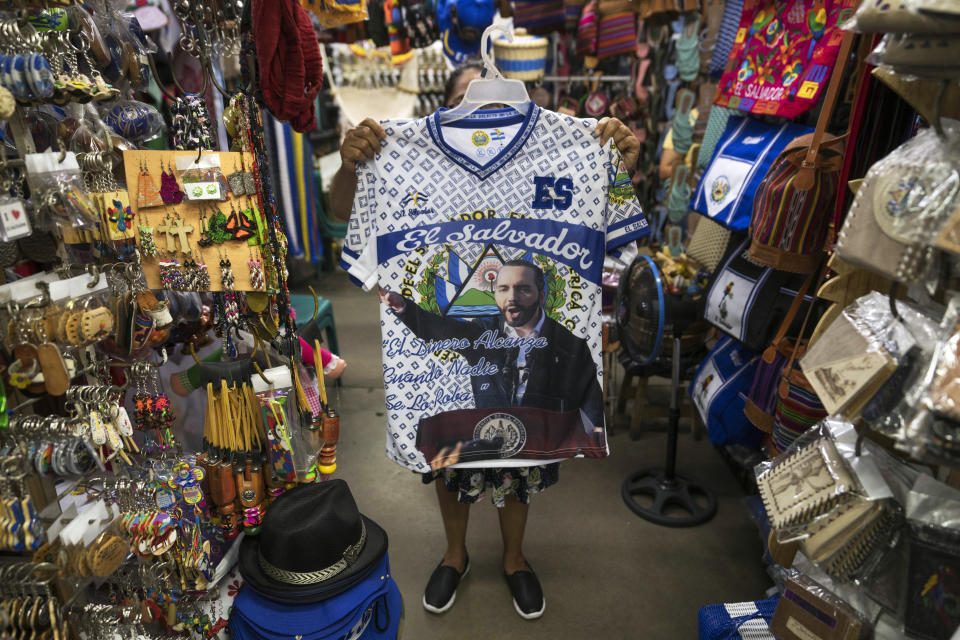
(487, 237)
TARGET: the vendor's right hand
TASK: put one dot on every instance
(393, 300)
(361, 143)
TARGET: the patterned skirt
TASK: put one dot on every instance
(521, 482)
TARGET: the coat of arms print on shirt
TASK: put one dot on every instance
(486, 238)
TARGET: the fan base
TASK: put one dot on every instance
(675, 501)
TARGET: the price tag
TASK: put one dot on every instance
(14, 221)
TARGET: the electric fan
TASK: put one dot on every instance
(644, 311)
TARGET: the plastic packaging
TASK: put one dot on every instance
(202, 177)
(926, 55)
(918, 187)
(902, 211)
(134, 120)
(861, 349)
(293, 442)
(808, 610)
(905, 16)
(57, 188)
(933, 513)
(829, 494)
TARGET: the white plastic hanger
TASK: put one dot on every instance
(493, 88)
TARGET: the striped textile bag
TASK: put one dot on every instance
(539, 17)
(790, 224)
(587, 30)
(798, 408)
(617, 30)
(572, 9)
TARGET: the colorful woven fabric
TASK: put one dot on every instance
(783, 55)
(571, 12)
(539, 17)
(617, 34)
(288, 58)
(791, 224)
(796, 413)
(587, 30)
(726, 36)
(716, 125)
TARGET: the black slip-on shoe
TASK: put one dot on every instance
(441, 591)
(528, 597)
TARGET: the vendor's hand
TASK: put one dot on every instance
(393, 300)
(446, 457)
(361, 143)
(624, 138)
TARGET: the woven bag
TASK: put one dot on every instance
(760, 406)
(708, 243)
(793, 208)
(791, 221)
(761, 402)
(798, 406)
(587, 30)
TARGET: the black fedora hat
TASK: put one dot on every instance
(314, 544)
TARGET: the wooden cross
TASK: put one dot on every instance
(174, 228)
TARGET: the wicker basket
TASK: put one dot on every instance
(523, 59)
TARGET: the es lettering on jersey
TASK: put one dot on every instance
(489, 268)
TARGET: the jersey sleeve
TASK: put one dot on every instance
(359, 255)
(624, 217)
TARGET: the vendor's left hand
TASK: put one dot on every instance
(623, 137)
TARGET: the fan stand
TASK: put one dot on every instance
(674, 497)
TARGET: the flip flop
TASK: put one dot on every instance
(673, 84)
(678, 202)
(643, 48)
(674, 234)
(657, 218)
(688, 49)
(682, 127)
(639, 90)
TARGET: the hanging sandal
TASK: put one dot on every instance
(682, 127)
(688, 49)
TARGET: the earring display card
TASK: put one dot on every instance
(182, 232)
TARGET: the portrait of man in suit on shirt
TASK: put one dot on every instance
(539, 363)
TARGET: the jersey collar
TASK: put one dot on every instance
(491, 117)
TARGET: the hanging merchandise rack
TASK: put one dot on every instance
(132, 233)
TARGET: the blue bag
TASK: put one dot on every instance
(738, 620)
(719, 392)
(740, 161)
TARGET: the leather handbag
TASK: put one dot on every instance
(793, 208)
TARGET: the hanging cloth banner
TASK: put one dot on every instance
(783, 55)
